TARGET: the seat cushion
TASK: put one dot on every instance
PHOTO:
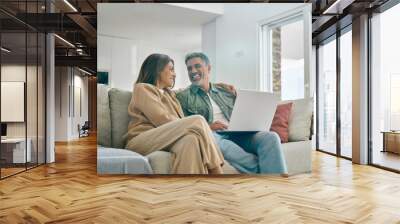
(298, 156)
(119, 102)
(121, 161)
(228, 169)
(103, 116)
(160, 161)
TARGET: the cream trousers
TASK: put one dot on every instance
(190, 141)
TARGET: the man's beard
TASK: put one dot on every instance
(196, 80)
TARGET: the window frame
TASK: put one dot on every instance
(334, 37)
(264, 29)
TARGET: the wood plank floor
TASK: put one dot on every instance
(70, 191)
(10, 171)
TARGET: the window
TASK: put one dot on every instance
(291, 57)
(327, 97)
(284, 54)
(394, 101)
(334, 60)
(346, 94)
(385, 86)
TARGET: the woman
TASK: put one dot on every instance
(158, 122)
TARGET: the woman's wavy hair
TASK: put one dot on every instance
(152, 68)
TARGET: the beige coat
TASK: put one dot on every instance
(149, 108)
(158, 124)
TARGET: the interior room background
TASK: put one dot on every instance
(212, 29)
(264, 47)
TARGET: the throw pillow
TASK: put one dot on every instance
(280, 123)
(300, 122)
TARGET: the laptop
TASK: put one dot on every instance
(253, 111)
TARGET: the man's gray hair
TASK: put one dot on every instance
(200, 55)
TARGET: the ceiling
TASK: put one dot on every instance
(76, 24)
(137, 22)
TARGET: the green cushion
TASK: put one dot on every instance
(119, 102)
(103, 116)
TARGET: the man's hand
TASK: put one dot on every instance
(218, 125)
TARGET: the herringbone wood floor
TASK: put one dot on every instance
(70, 191)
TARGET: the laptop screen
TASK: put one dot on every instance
(3, 129)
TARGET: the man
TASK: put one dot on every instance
(258, 152)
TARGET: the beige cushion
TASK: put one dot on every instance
(298, 156)
(300, 120)
(228, 169)
(103, 116)
(160, 162)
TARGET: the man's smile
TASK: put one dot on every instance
(195, 76)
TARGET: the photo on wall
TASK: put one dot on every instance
(204, 88)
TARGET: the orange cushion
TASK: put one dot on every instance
(280, 123)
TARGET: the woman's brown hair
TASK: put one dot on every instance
(152, 68)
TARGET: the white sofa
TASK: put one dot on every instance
(112, 114)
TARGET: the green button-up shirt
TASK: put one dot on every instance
(194, 100)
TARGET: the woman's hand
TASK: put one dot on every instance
(218, 125)
(228, 87)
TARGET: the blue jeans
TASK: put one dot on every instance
(258, 152)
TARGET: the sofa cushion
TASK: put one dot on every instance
(121, 161)
(103, 116)
(229, 169)
(160, 161)
(300, 120)
(280, 123)
(119, 102)
(298, 156)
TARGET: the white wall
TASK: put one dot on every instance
(230, 40)
(122, 58)
(209, 44)
(61, 103)
(12, 73)
(236, 41)
(80, 82)
(117, 56)
(66, 121)
(128, 33)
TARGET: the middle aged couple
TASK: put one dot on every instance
(185, 123)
